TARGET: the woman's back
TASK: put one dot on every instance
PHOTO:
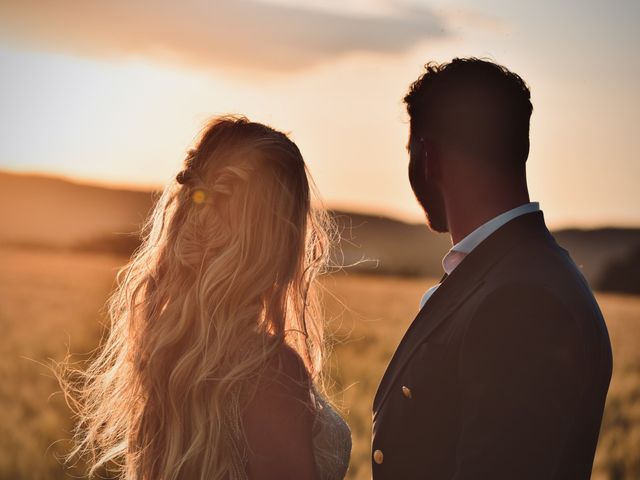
(292, 431)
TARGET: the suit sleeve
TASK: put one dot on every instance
(520, 371)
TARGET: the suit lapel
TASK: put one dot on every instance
(449, 296)
(456, 289)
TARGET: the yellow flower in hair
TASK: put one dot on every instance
(198, 196)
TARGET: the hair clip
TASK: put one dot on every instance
(182, 177)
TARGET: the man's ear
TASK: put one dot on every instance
(432, 159)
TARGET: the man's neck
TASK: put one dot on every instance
(464, 219)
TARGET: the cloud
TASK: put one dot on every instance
(238, 33)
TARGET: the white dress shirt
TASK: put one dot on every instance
(461, 249)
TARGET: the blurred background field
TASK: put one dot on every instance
(51, 300)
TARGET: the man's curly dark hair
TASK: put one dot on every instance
(477, 104)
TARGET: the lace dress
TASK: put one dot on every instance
(331, 441)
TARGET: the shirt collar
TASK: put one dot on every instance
(465, 246)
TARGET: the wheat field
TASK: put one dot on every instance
(51, 302)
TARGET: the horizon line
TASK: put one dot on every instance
(355, 208)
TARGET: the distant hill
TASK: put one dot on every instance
(43, 211)
(595, 250)
(48, 210)
(383, 245)
(622, 275)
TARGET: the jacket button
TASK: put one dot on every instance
(378, 457)
(406, 391)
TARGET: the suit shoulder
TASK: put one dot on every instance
(522, 316)
(541, 252)
(522, 295)
(542, 264)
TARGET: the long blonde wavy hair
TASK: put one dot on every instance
(223, 279)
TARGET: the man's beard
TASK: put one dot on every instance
(429, 197)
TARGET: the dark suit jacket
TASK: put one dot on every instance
(503, 374)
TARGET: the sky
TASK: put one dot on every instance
(116, 92)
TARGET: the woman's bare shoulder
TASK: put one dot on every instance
(289, 364)
(284, 374)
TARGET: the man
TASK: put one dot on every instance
(503, 373)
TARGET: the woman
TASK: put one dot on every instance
(210, 367)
